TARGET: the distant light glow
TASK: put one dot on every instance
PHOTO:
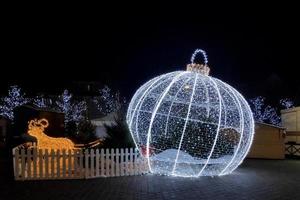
(191, 124)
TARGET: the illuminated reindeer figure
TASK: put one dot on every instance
(36, 128)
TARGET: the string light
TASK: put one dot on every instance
(73, 110)
(195, 54)
(287, 103)
(190, 123)
(14, 99)
(264, 113)
(108, 101)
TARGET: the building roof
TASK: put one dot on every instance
(290, 110)
(270, 125)
(108, 119)
(41, 109)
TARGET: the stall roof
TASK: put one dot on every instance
(271, 125)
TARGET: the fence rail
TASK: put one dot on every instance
(292, 150)
(34, 164)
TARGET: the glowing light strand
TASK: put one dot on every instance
(130, 116)
(169, 112)
(141, 103)
(251, 130)
(154, 113)
(242, 131)
(193, 120)
(206, 97)
(185, 123)
(195, 54)
(218, 128)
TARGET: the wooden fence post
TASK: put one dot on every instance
(122, 162)
(75, 162)
(64, 163)
(131, 172)
(126, 162)
(92, 163)
(86, 166)
(34, 159)
(28, 163)
(135, 162)
(102, 162)
(17, 163)
(46, 164)
(52, 163)
(23, 164)
(81, 168)
(117, 162)
(70, 163)
(112, 163)
(107, 162)
(40, 156)
(97, 163)
(58, 163)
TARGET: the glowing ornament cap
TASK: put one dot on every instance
(199, 68)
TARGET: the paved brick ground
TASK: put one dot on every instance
(255, 179)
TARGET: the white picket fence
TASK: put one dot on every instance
(33, 164)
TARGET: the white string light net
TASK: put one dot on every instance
(187, 123)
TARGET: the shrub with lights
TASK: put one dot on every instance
(187, 123)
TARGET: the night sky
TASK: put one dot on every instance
(254, 48)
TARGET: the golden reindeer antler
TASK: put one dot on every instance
(42, 124)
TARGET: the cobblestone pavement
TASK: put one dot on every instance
(255, 179)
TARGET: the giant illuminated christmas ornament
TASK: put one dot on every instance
(187, 123)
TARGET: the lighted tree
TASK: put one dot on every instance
(41, 102)
(15, 98)
(108, 101)
(264, 113)
(78, 111)
(64, 105)
(286, 103)
(73, 110)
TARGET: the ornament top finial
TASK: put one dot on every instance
(200, 68)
